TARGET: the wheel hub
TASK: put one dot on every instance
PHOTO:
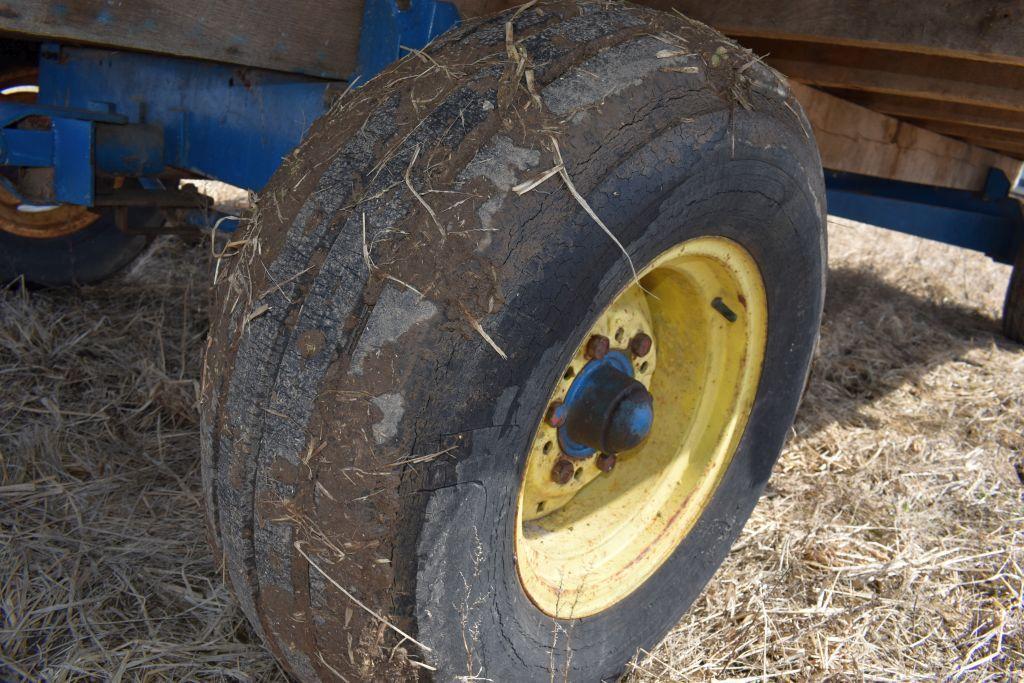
(605, 409)
(42, 223)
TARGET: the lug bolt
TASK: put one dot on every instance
(640, 344)
(605, 462)
(553, 417)
(562, 472)
(597, 347)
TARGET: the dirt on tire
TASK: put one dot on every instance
(383, 218)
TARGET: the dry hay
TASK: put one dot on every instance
(104, 564)
(887, 547)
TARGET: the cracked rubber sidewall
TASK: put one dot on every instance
(322, 375)
(765, 201)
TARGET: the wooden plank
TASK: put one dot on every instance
(999, 140)
(927, 87)
(479, 8)
(930, 110)
(1015, 150)
(990, 30)
(855, 139)
(896, 73)
(304, 36)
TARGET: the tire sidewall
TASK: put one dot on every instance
(755, 182)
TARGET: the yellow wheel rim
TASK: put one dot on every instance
(584, 545)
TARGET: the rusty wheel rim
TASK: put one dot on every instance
(23, 220)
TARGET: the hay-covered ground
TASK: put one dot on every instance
(889, 546)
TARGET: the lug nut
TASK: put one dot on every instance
(597, 347)
(562, 472)
(640, 344)
(605, 462)
(553, 417)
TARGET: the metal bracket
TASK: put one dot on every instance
(67, 145)
(72, 161)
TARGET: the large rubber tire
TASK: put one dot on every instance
(323, 378)
(87, 256)
(1013, 307)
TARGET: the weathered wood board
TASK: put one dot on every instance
(956, 66)
(858, 140)
(315, 37)
(910, 107)
(989, 30)
(955, 54)
(943, 79)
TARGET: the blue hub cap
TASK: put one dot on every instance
(605, 409)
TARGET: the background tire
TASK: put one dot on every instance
(363, 442)
(1013, 308)
(89, 255)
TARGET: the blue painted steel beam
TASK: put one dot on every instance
(11, 112)
(128, 150)
(26, 147)
(388, 29)
(135, 114)
(219, 121)
(989, 221)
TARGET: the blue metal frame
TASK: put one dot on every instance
(125, 113)
(988, 221)
(388, 29)
(140, 115)
(134, 114)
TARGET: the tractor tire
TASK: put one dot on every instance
(1013, 307)
(83, 257)
(422, 276)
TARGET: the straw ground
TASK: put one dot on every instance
(888, 546)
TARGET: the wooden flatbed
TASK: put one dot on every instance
(929, 92)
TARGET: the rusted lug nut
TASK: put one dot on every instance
(605, 462)
(640, 344)
(553, 417)
(597, 347)
(562, 472)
